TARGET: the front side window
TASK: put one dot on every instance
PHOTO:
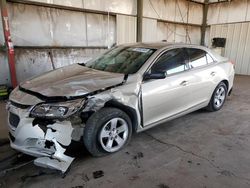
(197, 57)
(173, 61)
(127, 60)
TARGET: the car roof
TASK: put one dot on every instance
(165, 45)
(160, 45)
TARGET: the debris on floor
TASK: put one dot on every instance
(138, 155)
(163, 186)
(98, 174)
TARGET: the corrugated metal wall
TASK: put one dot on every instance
(237, 44)
(126, 29)
(154, 30)
(159, 15)
(42, 26)
(229, 12)
(1, 32)
(231, 20)
(178, 33)
(173, 10)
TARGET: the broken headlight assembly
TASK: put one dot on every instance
(57, 110)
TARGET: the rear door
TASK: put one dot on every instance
(203, 75)
(163, 98)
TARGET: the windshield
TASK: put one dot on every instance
(127, 60)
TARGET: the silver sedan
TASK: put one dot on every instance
(130, 88)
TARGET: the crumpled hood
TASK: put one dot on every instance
(70, 81)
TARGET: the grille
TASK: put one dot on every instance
(14, 120)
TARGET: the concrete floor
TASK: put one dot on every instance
(201, 149)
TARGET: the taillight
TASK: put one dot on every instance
(233, 63)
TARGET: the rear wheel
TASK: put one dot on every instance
(218, 98)
(107, 131)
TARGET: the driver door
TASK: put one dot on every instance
(166, 97)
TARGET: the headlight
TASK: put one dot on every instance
(57, 110)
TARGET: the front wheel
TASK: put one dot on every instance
(107, 131)
(218, 98)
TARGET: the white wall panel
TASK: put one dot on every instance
(180, 34)
(213, 14)
(4, 69)
(166, 31)
(195, 13)
(207, 36)
(237, 11)
(1, 32)
(40, 26)
(177, 33)
(223, 12)
(241, 46)
(168, 10)
(69, 28)
(245, 66)
(230, 12)
(100, 31)
(181, 10)
(248, 11)
(237, 44)
(229, 37)
(155, 9)
(70, 3)
(30, 25)
(149, 30)
(118, 6)
(195, 34)
(126, 29)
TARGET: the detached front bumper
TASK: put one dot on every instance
(48, 140)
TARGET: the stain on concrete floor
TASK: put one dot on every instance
(201, 149)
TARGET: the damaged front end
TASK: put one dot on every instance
(46, 124)
(46, 131)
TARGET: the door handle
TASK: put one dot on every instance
(213, 73)
(184, 83)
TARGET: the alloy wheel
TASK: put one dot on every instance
(114, 134)
(219, 97)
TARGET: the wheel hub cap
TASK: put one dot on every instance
(114, 134)
(219, 97)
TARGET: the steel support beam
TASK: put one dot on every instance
(139, 20)
(204, 22)
(8, 42)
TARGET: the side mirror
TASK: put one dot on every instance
(158, 75)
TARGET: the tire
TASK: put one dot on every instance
(103, 131)
(220, 98)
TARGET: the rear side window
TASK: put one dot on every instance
(209, 59)
(197, 57)
(173, 61)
